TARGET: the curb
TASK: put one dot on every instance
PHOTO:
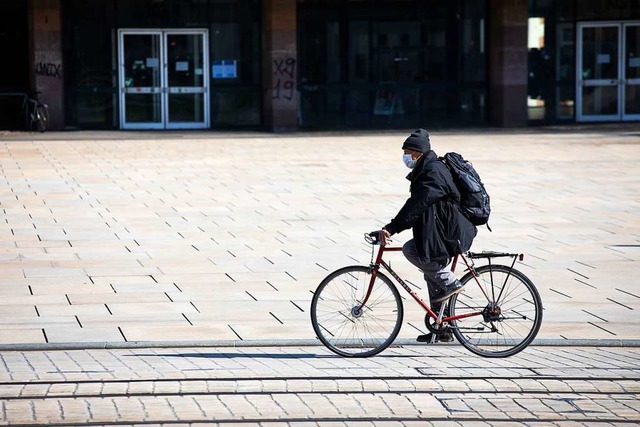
(277, 343)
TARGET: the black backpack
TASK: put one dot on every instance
(474, 199)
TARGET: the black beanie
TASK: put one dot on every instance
(418, 141)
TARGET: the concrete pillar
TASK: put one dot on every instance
(46, 57)
(508, 62)
(280, 61)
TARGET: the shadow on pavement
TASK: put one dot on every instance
(237, 355)
(263, 355)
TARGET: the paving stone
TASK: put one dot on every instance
(75, 334)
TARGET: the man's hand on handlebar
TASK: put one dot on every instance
(380, 237)
(384, 236)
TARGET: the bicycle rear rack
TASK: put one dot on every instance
(492, 254)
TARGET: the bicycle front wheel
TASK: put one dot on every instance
(508, 311)
(344, 328)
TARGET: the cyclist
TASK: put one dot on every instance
(440, 231)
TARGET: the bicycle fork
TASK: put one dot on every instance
(374, 268)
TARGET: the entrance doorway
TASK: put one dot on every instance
(164, 79)
(608, 71)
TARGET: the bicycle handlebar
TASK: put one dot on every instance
(372, 238)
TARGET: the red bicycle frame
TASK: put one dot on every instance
(375, 267)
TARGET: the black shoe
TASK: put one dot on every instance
(443, 337)
(425, 337)
(453, 288)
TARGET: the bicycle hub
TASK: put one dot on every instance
(492, 313)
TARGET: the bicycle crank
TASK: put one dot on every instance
(434, 327)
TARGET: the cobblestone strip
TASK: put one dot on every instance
(308, 362)
(292, 407)
(407, 385)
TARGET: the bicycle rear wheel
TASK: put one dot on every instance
(509, 311)
(40, 118)
(337, 322)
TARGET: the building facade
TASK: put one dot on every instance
(321, 64)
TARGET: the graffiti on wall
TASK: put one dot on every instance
(49, 69)
(284, 72)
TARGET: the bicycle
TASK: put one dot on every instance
(36, 113)
(357, 311)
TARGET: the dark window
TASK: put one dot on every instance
(14, 73)
(234, 35)
(603, 10)
(162, 13)
(391, 63)
(551, 60)
(89, 44)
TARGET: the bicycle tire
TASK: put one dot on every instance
(40, 118)
(509, 329)
(352, 335)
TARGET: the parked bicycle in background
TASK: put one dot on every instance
(36, 113)
(33, 113)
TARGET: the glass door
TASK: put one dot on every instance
(164, 79)
(187, 76)
(608, 71)
(631, 77)
(598, 72)
(141, 80)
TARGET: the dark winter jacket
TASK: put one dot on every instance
(440, 231)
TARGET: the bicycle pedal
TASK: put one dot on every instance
(446, 337)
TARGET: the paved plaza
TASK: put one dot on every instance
(205, 237)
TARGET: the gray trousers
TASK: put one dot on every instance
(436, 274)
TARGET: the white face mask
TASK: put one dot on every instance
(408, 161)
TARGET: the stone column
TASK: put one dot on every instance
(508, 62)
(46, 57)
(279, 56)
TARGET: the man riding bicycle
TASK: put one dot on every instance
(440, 231)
